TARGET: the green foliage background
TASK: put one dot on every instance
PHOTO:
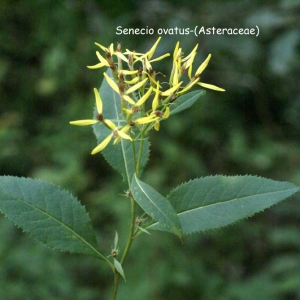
(253, 128)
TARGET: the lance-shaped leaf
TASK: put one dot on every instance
(49, 214)
(185, 101)
(119, 156)
(156, 206)
(214, 202)
(119, 268)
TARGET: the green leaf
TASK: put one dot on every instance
(185, 101)
(156, 206)
(119, 268)
(119, 156)
(49, 214)
(214, 202)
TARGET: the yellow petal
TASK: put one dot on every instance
(97, 66)
(189, 86)
(203, 65)
(111, 48)
(102, 145)
(124, 135)
(102, 47)
(152, 79)
(127, 72)
(193, 53)
(210, 86)
(125, 128)
(128, 111)
(190, 61)
(167, 113)
(152, 50)
(128, 99)
(102, 59)
(144, 98)
(110, 124)
(171, 90)
(83, 122)
(121, 55)
(133, 81)
(175, 77)
(147, 64)
(112, 83)
(132, 52)
(145, 120)
(98, 101)
(136, 86)
(160, 57)
(175, 51)
(157, 125)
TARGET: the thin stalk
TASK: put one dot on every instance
(134, 159)
(116, 283)
(126, 251)
(140, 152)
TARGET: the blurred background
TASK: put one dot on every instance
(252, 128)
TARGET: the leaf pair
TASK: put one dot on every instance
(56, 218)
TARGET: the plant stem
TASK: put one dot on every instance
(131, 232)
(137, 163)
(116, 283)
(127, 248)
(140, 152)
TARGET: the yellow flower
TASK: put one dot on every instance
(140, 102)
(111, 51)
(99, 110)
(200, 70)
(116, 134)
(159, 115)
(103, 62)
(179, 69)
(146, 57)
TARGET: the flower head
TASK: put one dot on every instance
(135, 86)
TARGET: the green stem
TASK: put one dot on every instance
(126, 251)
(116, 283)
(140, 153)
(131, 231)
(137, 163)
(134, 159)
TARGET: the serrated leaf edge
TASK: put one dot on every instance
(219, 175)
(51, 217)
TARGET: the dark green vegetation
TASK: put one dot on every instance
(253, 128)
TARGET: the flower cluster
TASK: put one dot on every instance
(137, 84)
